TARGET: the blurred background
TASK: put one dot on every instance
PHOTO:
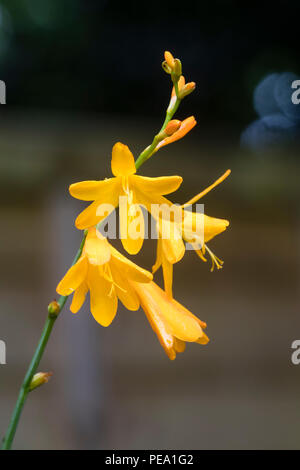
(81, 75)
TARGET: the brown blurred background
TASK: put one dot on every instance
(114, 388)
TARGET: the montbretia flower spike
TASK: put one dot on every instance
(107, 274)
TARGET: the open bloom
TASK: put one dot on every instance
(136, 190)
(107, 274)
(173, 323)
(191, 227)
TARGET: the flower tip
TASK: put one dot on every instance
(172, 127)
(39, 379)
(53, 308)
(169, 59)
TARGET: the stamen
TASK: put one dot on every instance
(215, 260)
(205, 191)
(108, 276)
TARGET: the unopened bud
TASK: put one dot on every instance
(53, 308)
(172, 127)
(39, 379)
(187, 89)
(169, 59)
(177, 69)
(166, 67)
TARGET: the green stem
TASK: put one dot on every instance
(148, 152)
(25, 387)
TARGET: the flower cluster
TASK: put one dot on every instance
(109, 276)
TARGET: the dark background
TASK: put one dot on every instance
(81, 75)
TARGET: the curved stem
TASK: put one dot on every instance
(148, 152)
(25, 387)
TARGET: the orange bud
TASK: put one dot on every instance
(184, 128)
(187, 89)
(169, 59)
(172, 126)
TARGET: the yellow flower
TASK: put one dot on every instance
(106, 273)
(136, 190)
(173, 323)
(172, 234)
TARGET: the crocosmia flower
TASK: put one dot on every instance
(137, 190)
(172, 322)
(195, 228)
(107, 274)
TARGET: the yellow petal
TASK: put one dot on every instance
(132, 228)
(179, 345)
(97, 248)
(122, 162)
(158, 261)
(91, 215)
(79, 297)
(213, 226)
(152, 311)
(198, 226)
(73, 278)
(161, 185)
(92, 190)
(129, 269)
(168, 276)
(103, 298)
(172, 245)
(124, 290)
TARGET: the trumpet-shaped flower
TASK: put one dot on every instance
(136, 190)
(107, 274)
(173, 323)
(192, 227)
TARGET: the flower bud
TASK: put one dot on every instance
(169, 59)
(187, 89)
(39, 379)
(53, 308)
(172, 127)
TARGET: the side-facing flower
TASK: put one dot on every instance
(135, 189)
(107, 274)
(192, 227)
(171, 321)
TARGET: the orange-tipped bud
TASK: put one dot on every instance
(184, 128)
(39, 379)
(172, 127)
(187, 89)
(169, 59)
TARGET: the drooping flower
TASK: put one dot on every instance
(134, 188)
(171, 321)
(192, 227)
(107, 274)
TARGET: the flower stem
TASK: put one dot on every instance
(25, 387)
(148, 152)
